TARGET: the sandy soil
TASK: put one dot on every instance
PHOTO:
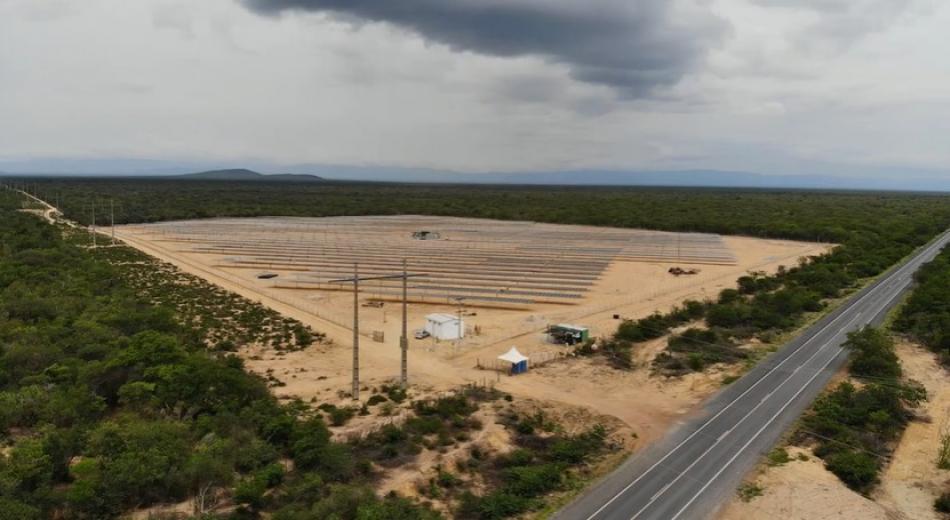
(631, 289)
(494, 438)
(912, 481)
(802, 490)
(909, 485)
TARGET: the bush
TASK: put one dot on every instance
(530, 481)
(619, 354)
(942, 503)
(375, 399)
(856, 469)
(340, 416)
(494, 506)
(395, 393)
(748, 491)
(873, 355)
(778, 457)
(250, 492)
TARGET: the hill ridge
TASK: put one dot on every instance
(244, 174)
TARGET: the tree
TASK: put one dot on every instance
(872, 354)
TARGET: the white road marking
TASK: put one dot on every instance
(770, 421)
(913, 263)
(743, 394)
(660, 492)
(759, 432)
(761, 402)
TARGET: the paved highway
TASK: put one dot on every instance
(690, 473)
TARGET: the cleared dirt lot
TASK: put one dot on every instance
(510, 279)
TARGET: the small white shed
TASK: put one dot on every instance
(445, 326)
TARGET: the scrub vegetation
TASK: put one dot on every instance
(111, 401)
(926, 315)
(221, 319)
(855, 426)
(761, 308)
(925, 318)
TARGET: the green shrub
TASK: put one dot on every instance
(395, 393)
(858, 470)
(873, 355)
(942, 503)
(778, 457)
(376, 399)
(494, 506)
(748, 491)
(534, 480)
(340, 416)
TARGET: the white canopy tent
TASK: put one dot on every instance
(513, 356)
(519, 361)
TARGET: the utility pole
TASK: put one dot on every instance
(93, 223)
(404, 339)
(356, 332)
(461, 328)
(112, 211)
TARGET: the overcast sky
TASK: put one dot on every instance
(770, 86)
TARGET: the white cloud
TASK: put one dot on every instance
(795, 87)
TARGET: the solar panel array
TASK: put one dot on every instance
(478, 262)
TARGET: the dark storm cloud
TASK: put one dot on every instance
(631, 45)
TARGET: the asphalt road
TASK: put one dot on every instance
(694, 469)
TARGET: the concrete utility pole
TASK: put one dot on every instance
(112, 210)
(93, 223)
(356, 332)
(404, 339)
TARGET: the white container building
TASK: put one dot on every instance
(445, 326)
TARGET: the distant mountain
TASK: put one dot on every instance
(850, 177)
(241, 174)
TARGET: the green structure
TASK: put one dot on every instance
(568, 334)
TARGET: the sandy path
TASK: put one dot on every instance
(47, 214)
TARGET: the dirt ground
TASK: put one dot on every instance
(805, 490)
(627, 288)
(496, 439)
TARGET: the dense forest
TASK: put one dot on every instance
(801, 215)
(111, 401)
